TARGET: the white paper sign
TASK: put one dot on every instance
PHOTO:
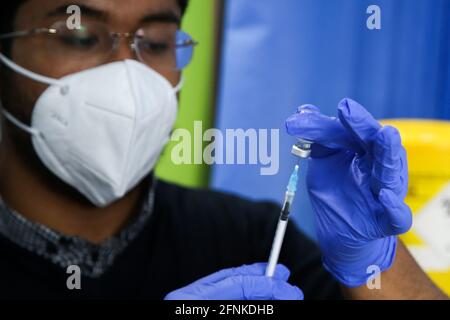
(432, 225)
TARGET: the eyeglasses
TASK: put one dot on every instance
(93, 44)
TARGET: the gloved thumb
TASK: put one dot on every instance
(256, 269)
(396, 218)
(258, 288)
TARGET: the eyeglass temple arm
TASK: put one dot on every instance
(187, 43)
(26, 33)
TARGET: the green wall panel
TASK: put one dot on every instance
(197, 95)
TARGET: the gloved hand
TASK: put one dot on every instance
(357, 181)
(244, 283)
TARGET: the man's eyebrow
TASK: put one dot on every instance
(85, 10)
(166, 16)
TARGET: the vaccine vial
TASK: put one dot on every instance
(302, 148)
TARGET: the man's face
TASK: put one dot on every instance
(19, 94)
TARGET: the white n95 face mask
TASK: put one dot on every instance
(101, 130)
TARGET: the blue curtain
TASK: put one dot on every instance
(278, 54)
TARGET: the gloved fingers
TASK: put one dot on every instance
(359, 123)
(186, 293)
(254, 288)
(396, 218)
(256, 269)
(285, 291)
(387, 162)
(327, 133)
(281, 272)
(404, 175)
(262, 288)
(308, 108)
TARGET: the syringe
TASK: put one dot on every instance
(282, 223)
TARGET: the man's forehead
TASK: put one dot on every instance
(120, 11)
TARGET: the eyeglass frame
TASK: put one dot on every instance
(115, 36)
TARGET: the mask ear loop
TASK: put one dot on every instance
(34, 76)
(19, 124)
(29, 74)
(180, 85)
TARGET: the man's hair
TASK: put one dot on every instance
(8, 11)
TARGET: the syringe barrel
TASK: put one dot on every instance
(286, 209)
(289, 197)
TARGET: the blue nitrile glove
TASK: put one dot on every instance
(357, 181)
(244, 283)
